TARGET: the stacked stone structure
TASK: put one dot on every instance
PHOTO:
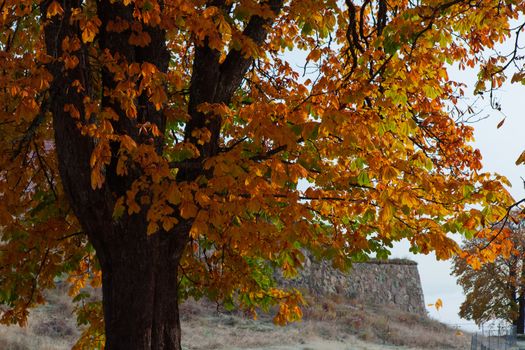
(380, 282)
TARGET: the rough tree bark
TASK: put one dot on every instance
(139, 271)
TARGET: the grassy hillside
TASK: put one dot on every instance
(329, 324)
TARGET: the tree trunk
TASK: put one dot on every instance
(139, 272)
(140, 293)
(520, 322)
(520, 326)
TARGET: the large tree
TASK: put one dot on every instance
(167, 148)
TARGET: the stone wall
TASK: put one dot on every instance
(392, 282)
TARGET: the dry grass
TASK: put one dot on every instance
(329, 324)
(50, 327)
(384, 324)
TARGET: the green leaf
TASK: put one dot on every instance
(81, 296)
(147, 6)
(391, 46)
(307, 29)
(119, 208)
(363, 179)
(431, 91)
(467, 191)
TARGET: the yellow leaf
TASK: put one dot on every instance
(438, 304)
(389, 172)
(387, 212)
(224, 27)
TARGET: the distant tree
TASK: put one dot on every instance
(494, 290)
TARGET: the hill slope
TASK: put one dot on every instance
(332, 323)
(329, 324)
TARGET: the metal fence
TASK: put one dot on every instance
(497, 337)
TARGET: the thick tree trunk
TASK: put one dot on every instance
(139, 272)
(140, 293)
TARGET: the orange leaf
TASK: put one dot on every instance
(438, 304)
(188, 210)
(54, 9)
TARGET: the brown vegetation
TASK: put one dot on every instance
(50, 327)
(329, 323)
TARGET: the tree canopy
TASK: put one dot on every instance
(168, 148)
(495, 290)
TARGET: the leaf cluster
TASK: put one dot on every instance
(356, 150)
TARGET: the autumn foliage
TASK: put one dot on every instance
(167, 149)
(495, 290)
